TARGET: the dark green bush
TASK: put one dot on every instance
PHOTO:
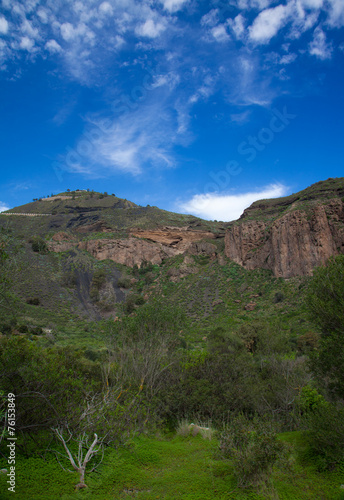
(325, 435)
(33, 302)
(23, 328)
(39, 245)
(98, 280)
(146, 267)
(129, 305)
(140, 300)
(279, 297)
(123, 282)
(253, 448)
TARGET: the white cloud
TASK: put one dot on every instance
(28, 29)
(106, 9)
(268, 23)
(43, 15)
(211, 18)
(150, 29)
(336, 13)
(287, 58)
(253, 4)
(205, 90)
(312, 4)
(226, 207)
(318, 46)
(53, 47)
(237, 25)
(240, 117)
(3, 26)
(67, 31)
(173, 5)
(219, 33)
(26, 43)
(3, 207)
(135, 141)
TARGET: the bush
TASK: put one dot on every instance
(39, 245)
(33, 302)
(146, 267)
(252, 447)
(140, 301)
(148, 278)
(98, 280)
(325, 435)
(23, 329)
(279, 297)
(129, 305)
(123, 283)
(325, 304)
(36, 330)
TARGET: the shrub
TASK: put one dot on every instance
(279, 297)
(325, 304)
(123, 282)
(36, 330)
(140, 301)
(129, 305)
(23, 328)
(325, 435)
(146, 267)
(98, 280)
(149, 278)
(39, 245)
(252, 447)
(33, 302)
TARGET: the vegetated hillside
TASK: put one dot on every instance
(101, 257)
(81, 261)
(72, 264)
(69, 211)
(292, 235)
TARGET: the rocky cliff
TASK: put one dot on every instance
(142, 245)
(292, 235)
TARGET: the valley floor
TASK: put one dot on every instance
(170, 469)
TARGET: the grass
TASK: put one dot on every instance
(183, 468)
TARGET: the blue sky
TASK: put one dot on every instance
(193, 106)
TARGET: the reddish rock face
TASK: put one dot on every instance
(176, 237)
(162, 243)
(292, 244)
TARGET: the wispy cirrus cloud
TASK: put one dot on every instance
(132, 142)
(228, 207)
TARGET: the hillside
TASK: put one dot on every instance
(83, 261)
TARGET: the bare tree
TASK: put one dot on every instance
(85, 453)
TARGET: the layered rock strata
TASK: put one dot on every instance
(292, 244)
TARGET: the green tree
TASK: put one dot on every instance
(325, 302)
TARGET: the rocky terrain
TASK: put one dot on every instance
(292, 235)
(141, 246)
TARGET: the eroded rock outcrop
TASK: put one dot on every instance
(177, 237)
(143, 245)
(291, 244)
